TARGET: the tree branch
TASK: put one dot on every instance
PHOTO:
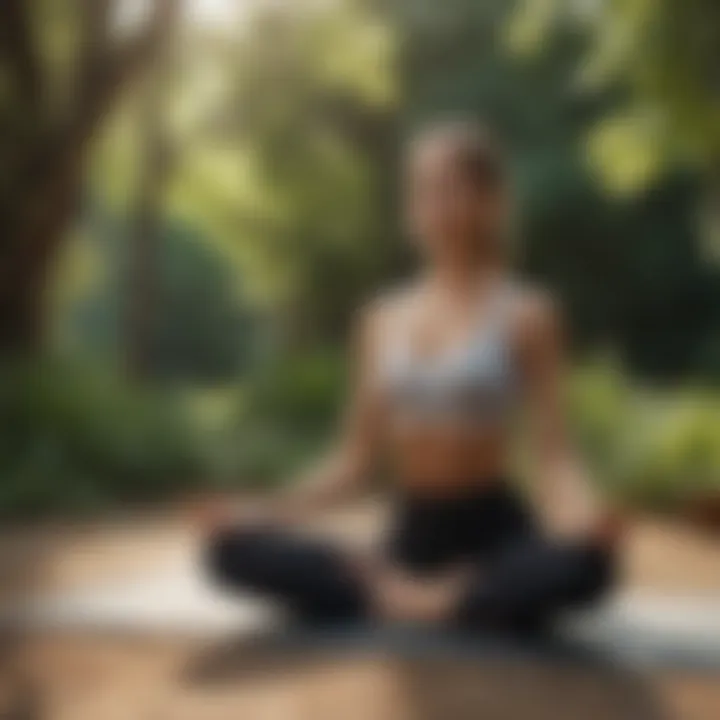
(17, 46)
(120, 66)
(94, 51)
(58, 162)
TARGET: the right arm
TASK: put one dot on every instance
(343, 470)
(351, 460)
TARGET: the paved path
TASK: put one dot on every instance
(148, 564)
(164, 593)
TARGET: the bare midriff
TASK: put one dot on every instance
(446, 460)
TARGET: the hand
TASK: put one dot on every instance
(611, 529)
(399, 596)
(217, 513)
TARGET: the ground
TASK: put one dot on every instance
(103, 678)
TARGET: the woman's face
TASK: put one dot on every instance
(448, 213)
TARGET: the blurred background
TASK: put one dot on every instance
(196, 196)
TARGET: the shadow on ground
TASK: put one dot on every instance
(414, 680)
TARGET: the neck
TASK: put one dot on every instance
(464, 275)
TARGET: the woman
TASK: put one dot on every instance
(445, 366)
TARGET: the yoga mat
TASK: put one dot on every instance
(640, 628)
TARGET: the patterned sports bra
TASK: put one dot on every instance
(474, 384)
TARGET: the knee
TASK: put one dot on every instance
(227, 552)
(592, 569)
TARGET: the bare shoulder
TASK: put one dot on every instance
(537, 316)
(386, 311)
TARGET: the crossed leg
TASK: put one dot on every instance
(313, 579)
(523, 587)
(526, 587)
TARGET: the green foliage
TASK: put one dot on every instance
(683, 462)
(631, 273)
(286, 416)
(73, 438)
(292, 180)
(649, 448)
(300, 392)
(290, 168)
(654, 449)
(286, 139)
(203, 330)
(662, 58)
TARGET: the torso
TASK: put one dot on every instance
(450, 383)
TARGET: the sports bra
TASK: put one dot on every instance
(473, 384)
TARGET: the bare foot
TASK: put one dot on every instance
(399, 596)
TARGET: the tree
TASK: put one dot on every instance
(143, 242)
(661, 59)
(48, 122)
(202, 330)
(294, 177)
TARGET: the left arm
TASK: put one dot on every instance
(566, 495)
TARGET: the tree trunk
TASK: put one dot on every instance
(21, 318)
(144, 251)
(23, 292)
(143, 267)
(40, 204)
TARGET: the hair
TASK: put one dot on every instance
(473, 146)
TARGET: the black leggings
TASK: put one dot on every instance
(523, 580)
